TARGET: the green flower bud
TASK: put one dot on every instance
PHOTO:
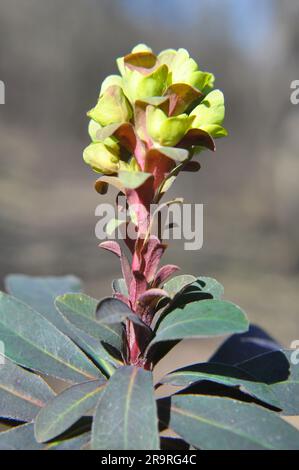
(141, 48)
(109, 81)
(93, 128)
(183, 69)
(102, 158)
(168, 131)
(209, 114)
(112, 107)
(139, 86)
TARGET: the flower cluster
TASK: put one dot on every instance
(151, 119)
(147, 125)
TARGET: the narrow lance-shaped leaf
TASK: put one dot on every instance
(113, 311)
(210, 286)
(225, 375)
(73, 308)
(177, 283)
(40, 293)
(22, 393)
(202, 288)
(62, 412)
(20, 438)
(119, 286)
(216, 423)
(238, 348)
(33, 342)
(86, 306)
(201, 319)
(280, 370)
(71, 443)
(126, 417)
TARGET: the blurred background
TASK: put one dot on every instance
(53, 57)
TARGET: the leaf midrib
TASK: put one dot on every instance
(25, 397)
(76, 403)
(80, 315)
(47, 353)
(218, 425)
(180, 322)
(127, 404)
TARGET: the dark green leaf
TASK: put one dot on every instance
(242, 347)
(93, 347)
(213, 423)
(278, 369)
(201, 319)
(225, 375)
(33, 342)
(210, 286)
(65, 410)
(22, 393)
(177, 283)
(40, 293)
(77, 308)
(113, 311)
(120, 286)
(126, 418)
(73, 443)
(20, 438)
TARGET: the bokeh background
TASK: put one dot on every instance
(53, 57)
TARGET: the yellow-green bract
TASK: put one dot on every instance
(156, 100)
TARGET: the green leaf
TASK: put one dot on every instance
(66, 409)
(120, 286)
(33, 342)
(76, 308)
(126, 418)
(201, 319)
(225, 375)
(213, 423)
(202, 288)
(210, 286)
(72, 443)
(22, 393)
(177, 283)
(133, 179)
(113, 311)
(92, 346)
(266, 368)
(41, 292)
(20, 438)
(241, 347)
